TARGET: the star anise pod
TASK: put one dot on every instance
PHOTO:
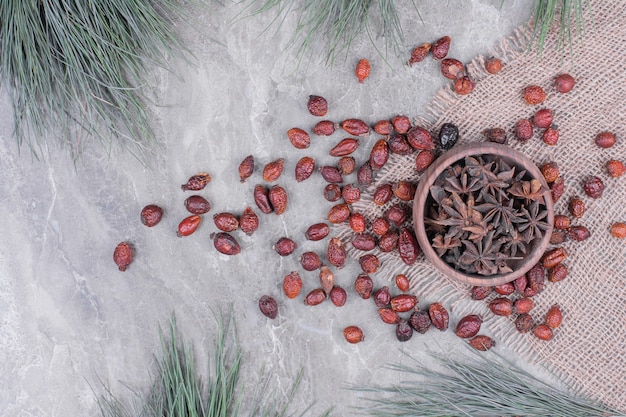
(497, 185)
(534, 224)
(482, 255)
(514, 242)
(529, 190)
(461, 214)
(501, 215)
(444, 243)
(463, 184)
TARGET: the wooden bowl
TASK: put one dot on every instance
(423, 198)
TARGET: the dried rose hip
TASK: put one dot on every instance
(317, 106)
(420, 321)
(196, 182)
(249, 221)
(420, 139)
(278, 199)
(448, 136)
(564, 83)
(315, 297)
(493, 65)
(389, 316)
(480, 293)
(495, 134)
(554, 317)
(557, 237)
(543, 118)
(188, 225)
(261, 198)
(533, 94)
(382, 297)
(299, 138)
(439, 316)
(344, 147)
(351, 194)
(123, 255)
(543, 332)
(365, 174)
(576, 207)
(325, 128)
(550, 136)
(504, 289)
(419, 53)
(451, 68)
(336, 253)
(464, 85)
(553, 257)
(226, 244)
(399, 145)
(550, 171)
(524, 323)
(618, 230)
(369, 263)
(441, 47)
(379, 155)
(331, 174)
(246, 168)
(615, 168)
(520, 284)
(482, 343)
(357, 222)
(605, 139)
(327, 279)
(304, 168)
(285, 246)
(362, 70)
(423, 160)
(407, 246)
(404, 331)
(578, 233)
(317, 231)
(523, 305)
(339, 213)
(364, 242)
(382, 194)
(401, 124)
(557, 188)
(363, 286)
(346, 165)
(557, 273)
(397, 215)
(536, 278)
(593, 187)
(268, 306)
(388, 242)
(383, 127)
(226, 222)
(402, 282)
(332, 192)
(501, 306)
(404, 190)
(353, 334)
(151, 215)
(310, 261)
(338, 296)
(524, 130)
(273, 170)
(197, 204)
(403, 302)
(355, 127)
(468, 326)
(561, 221)
(380, 226)
(292, 284)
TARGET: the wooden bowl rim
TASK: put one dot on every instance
(423, 190)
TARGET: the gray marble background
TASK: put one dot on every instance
(69, 319)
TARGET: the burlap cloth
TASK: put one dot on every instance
(588, 352)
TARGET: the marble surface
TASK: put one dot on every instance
(70, 321)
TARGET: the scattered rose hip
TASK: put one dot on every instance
(317, 106)
(419, 53)
(534, 94)
(362, 70)
(564, 83)
(151, 215)
(196, 182)
(605, 139)
(493, 65)
(268, 306)
(353, 334)
(441, 47)
(618, 230)
(123, 255)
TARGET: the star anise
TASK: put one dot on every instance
(462, 185)
(497, 185)
(514, 242)
(501, 216)
(529, 190)
(534, 224)
(444, 243)
(483, 255)
(461, 215)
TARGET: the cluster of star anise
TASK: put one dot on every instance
(485, 214)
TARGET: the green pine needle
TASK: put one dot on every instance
(480, 385)
(567, 14)
(74, 69)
